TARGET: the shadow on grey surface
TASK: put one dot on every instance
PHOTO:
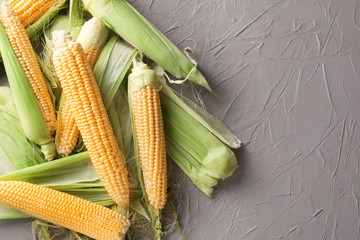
(236, 181)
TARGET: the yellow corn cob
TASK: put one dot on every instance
(80, 88)
(92, 38)
(67, 133)
(150, 135)
(29, 11)
(22, 47)
(92, 56)
(63, 209)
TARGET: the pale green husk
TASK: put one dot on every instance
(120, 16)
(110, 70)
(76, 19)
(209, 121)
(109, 76)
(14, 146)
(28, 108)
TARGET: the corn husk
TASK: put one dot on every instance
(15, 149)
(209, 121)
(29, 112)
(121, 17)
(76, 19)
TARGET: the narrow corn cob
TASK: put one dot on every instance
(148, 123)
(92, 38)
(29, 11)
(80, 88)
(21, 44)
(67, 133)
(65, 210)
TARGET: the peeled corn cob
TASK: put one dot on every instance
(29, 11)
(64, 209)
(92, 38)
(149, 127)
(21, 44)
(80, 88)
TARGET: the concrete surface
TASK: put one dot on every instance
(288, 72)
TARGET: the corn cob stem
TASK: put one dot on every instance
(148, 123)
(80, 88)
(27, 58)
(64, 210)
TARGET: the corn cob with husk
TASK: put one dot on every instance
(22, 46)
(30, 114)
(121, 17)
(80, 88)
(64, 210)
(144, 100)
(92, 38)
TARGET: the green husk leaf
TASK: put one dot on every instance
(210, 152)
(113, 65)
(120, 16)
(76, 18)
(14, 146)
(209, 121)
(198, 174)
(28, 108)
(110, 70)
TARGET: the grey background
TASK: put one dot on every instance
(288, 72)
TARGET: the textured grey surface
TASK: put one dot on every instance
(288, 74)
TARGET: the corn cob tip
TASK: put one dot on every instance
(60, 37)
(93, 33)
(141, 75)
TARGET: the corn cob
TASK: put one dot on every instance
(64, 209)
(26, 55)
(80, 88)
(67, 133)
(149, 128)
(92, 38)
(29, 11)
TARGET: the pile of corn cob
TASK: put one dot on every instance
(93, 110)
